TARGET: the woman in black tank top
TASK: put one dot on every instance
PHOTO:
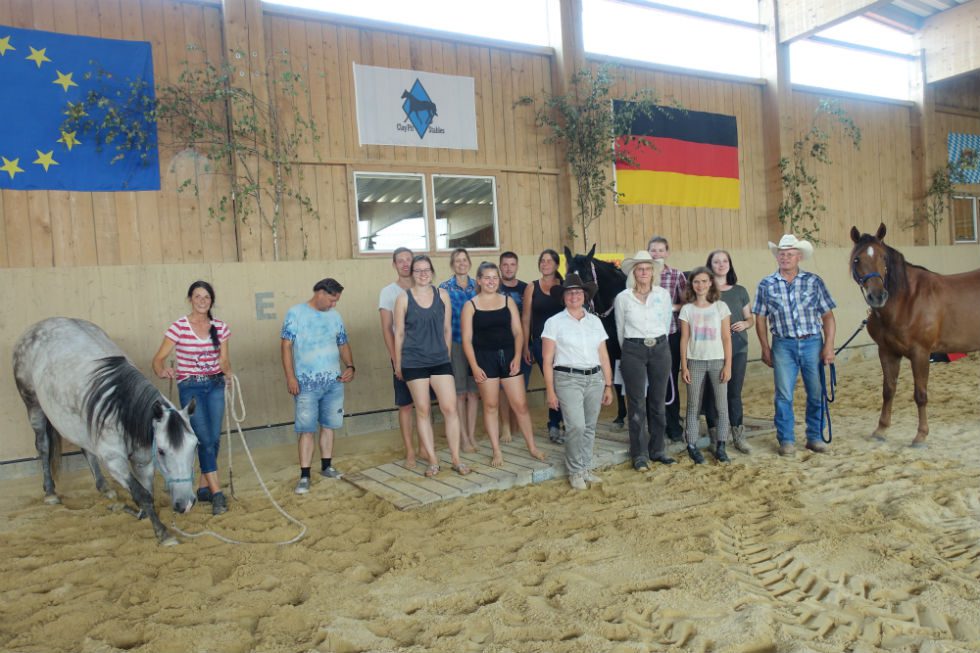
(491, 340)
(539, 305)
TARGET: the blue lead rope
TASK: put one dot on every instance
(826, 400)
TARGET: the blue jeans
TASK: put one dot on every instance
(554, 416)
(320, 407)
(209, 410)
(791, 358)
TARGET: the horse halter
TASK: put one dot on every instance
(156, 464)
(595, 280)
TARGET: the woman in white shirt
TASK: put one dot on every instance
(643, 313)
(577, 374)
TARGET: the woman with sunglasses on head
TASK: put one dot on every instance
(423, 337)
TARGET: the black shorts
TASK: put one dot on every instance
(495, 363)
(402, 396)
(415, 373)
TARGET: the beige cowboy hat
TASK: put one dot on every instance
(642, 256)
(574, 282)
(789, 241)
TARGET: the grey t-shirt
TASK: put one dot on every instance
(737, 298)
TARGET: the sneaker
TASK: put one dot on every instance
(592, 478)
(695, 455)
(204, 494)
(641, 466)
(720, 454)
(219, 504)
(303, 487)
(577, 482)
(554, 434)
(816, 446)
(787, 449)
(331, 472)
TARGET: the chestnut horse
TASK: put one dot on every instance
(914, 312)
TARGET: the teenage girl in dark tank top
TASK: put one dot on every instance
(492, 341)
(539, 305)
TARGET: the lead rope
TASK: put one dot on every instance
(233, 389)
(828, 399)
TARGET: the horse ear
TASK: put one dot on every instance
(158, 410)
(591, 253)
(191, 406)
(881, 231)
(855, 234)
(568, 254)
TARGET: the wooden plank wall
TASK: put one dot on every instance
(61, 229)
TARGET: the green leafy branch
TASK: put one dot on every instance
(939, 195)
(582, 122)
(802, 203)
(250, 140)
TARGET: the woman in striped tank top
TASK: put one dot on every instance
(200, 343)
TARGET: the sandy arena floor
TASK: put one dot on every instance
(872, 547)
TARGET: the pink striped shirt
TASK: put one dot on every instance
(195, 357)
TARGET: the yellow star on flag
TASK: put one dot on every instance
(38, 56)
(45, 159)
(5, 45)
(68, 138)
(64, 80)
(76, 109)
(10, 167)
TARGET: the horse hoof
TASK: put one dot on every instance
(110, 495)
(51, 499)
(170, 540)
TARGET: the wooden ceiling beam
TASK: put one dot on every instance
(951, 42)
(799, 19)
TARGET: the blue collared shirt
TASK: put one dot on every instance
(794, 308)
(458, 298)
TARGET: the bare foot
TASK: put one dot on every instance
(535, 453)
(498, 460)
(505, 436)
(469, 446)
(410, 462)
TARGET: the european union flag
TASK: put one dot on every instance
(40, 73)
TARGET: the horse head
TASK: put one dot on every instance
(580, 264)
(175, 452)
(869, 265)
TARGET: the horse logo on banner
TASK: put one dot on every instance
(419, 108)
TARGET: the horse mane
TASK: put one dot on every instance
(119, 389)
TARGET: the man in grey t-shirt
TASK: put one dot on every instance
(401, 261)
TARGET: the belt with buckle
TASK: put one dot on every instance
(199, 378)
(575, 370)
(647, 342)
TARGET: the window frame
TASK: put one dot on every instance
(429, 232)
(974, 204)
(496, 216)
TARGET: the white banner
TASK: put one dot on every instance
(405, 107)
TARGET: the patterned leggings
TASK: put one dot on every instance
(711, 369)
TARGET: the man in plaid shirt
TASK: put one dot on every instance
(795, 306)
(673, 281)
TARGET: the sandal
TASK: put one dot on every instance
(462, 469)
(432, 470)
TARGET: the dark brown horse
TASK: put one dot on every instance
(913, 312)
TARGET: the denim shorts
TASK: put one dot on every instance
(322, 407)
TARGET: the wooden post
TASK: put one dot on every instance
(777, 113)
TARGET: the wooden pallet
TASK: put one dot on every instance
(408, 488)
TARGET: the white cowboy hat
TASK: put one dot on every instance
(789, 241)
(642, 256)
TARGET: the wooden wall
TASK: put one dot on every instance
(62, 229)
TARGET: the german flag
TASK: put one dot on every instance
(693, 160)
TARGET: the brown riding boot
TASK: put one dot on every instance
(738, 439)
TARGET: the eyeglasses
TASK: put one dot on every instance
(426, 271)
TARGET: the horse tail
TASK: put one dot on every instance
(54, 450)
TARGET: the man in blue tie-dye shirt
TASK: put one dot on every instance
(318, 361)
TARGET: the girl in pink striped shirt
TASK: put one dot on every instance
(200, 344)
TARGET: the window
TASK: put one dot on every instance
(466, 212)
(390, 212)
(857, 56)
(520, 21)
(964, 219)
(721, 37)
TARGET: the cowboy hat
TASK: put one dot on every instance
(789, 241)
(574, 282)
(642, 256)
